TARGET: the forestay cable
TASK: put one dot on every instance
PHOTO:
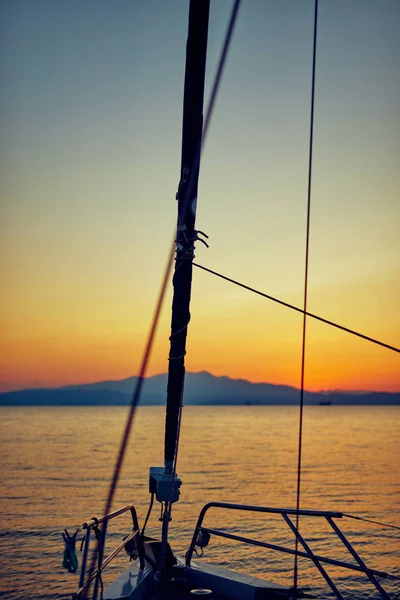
(98, 555)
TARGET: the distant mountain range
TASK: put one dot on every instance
(200, 389)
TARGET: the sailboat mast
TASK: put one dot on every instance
(192, 126)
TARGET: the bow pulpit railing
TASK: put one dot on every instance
(91, 529)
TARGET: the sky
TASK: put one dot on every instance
(90, 126)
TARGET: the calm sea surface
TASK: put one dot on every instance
(56, 465)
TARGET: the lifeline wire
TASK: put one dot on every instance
(297, 309)
(371, 521)
(303, 345)
(139, 383)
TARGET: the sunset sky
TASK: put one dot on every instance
(90, 125)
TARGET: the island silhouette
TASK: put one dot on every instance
(201, 389)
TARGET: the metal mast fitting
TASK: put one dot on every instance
(163, 485)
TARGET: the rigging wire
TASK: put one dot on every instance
(221, 64)
(297, 309)
(97, 555)
(303, 345)
(371, 521)
(168, 269)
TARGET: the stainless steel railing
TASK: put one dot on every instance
(89, 527)
(306, 553)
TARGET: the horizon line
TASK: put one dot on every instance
(317, 391)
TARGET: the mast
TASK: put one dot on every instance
(163, 481)
(192, 126)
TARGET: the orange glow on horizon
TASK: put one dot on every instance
(91, 168)
(83, 361)
(234, 336)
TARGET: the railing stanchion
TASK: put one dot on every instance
(99, 568)
(360, 567)
(84, 557)
(87, 526)
(313, 557)
(140, 546)
(357, 558)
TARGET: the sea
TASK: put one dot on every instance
(56, 465)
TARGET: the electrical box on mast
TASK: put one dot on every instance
(164, 485)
